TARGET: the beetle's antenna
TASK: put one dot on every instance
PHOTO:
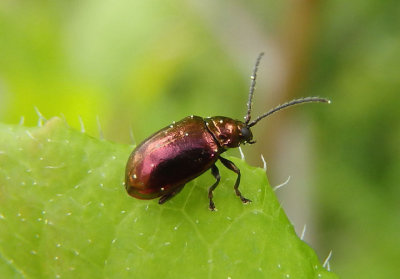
(252, 87)
(288, 104)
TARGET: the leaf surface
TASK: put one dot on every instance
(64, 213)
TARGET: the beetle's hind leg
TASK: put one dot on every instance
(230, 165)
(170, 195)
(215, 173)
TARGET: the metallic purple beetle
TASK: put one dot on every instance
(164, 162)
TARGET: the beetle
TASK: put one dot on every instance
(163, 163)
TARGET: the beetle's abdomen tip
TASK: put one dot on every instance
(142, 193)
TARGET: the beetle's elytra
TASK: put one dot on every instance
(164, 162)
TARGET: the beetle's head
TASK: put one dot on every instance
(228, 132)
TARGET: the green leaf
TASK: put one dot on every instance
(64, 213)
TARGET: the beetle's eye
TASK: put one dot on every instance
(246, 134)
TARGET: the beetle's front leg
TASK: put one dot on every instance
(170, 195)
(215, 173)
(230, 165)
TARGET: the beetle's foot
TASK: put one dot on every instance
(244, 200)
(163, 199)
(212, 206)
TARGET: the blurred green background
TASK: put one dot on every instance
(138, 65)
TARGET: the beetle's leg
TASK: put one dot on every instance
(230, 165)
(215, 173)
(170, 195)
